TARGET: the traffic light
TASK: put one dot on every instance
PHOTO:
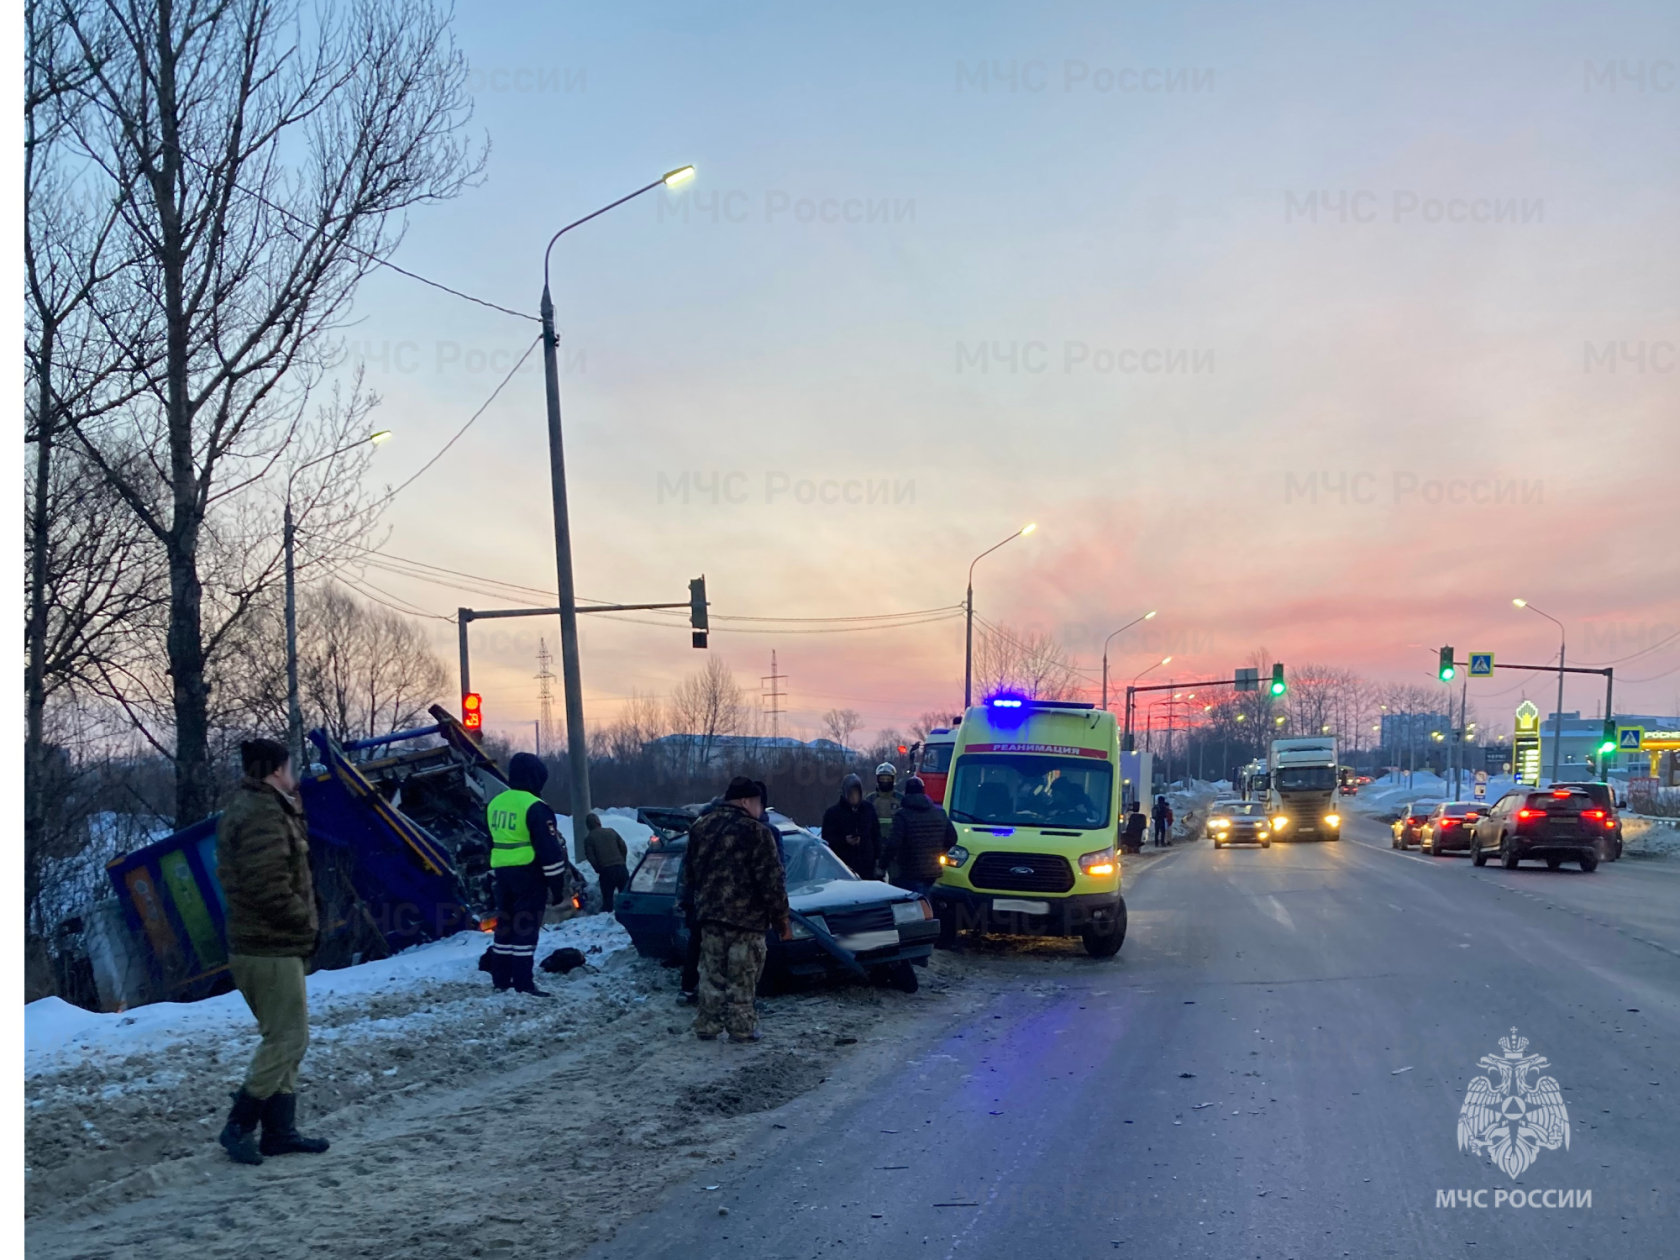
(1278, 687)
(472, 711)
(1445, 670)
(1607, 742)
(697, 610)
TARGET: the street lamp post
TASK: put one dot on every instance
(1131, 702)
(294, 707)
(1557, 717)
(577, 745)
(968, 604)
(1146, 616)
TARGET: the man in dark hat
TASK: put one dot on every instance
(733, 872)
(273, 926)
(528, 863)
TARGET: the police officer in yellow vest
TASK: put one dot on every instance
(528, 862)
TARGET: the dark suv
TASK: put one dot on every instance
(1610, 843)
(1556, 825)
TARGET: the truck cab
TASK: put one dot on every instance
(1303, 780)
(1034, 795)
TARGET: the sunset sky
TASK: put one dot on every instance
(1381, 252)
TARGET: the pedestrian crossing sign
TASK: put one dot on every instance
(1629, 738)
(1481, 664)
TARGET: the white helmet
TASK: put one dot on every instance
(886, 768)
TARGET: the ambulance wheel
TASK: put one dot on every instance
(1104, 940)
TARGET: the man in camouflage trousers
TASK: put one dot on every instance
(735, 876)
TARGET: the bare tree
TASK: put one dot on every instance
(259, 161)
(841, 725)
(927, 722)
(1029, 662)
(363, 670)
(705, 705)
(641, 721)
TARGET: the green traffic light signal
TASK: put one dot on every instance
(1446, 669)
(1278, 687)
(1607, 743)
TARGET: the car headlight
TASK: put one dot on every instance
(1279, 823)
(955, 856)
(911, 911)
(1332, 820)
(1099, 863)
(802, 933)
(1221, 824)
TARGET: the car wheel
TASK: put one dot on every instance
(1588, 862)
(1508, 855)
(902, 976)
(1477, 857)
(1265, 844)
(1553, 864)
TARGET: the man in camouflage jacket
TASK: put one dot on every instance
(734, 875)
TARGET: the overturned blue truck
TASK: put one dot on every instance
(399, 852)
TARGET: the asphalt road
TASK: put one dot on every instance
(1273, 1066)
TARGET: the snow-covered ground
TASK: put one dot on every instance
(58, 1035)
(622, 820)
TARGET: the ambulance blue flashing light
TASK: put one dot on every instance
(1002, 702)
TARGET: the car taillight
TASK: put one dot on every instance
(1524, 815)
(1592, 813)
(1562, 794)
(1449, 822)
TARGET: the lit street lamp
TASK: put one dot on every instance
(968, 603)
(577, 746)
(1131, 702)
(294, 709)
(1146, 616)
(1557, 717)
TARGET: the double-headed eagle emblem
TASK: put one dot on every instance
(1512, 1122)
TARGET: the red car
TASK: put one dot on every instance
(1449, 826)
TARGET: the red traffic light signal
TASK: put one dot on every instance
(902, 749)
(472, 711)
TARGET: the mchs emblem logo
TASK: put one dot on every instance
(1512, 1121)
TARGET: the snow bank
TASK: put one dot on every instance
(58, 1035)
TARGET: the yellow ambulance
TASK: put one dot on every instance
(1034, 794)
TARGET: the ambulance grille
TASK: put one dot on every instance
(1022, 872)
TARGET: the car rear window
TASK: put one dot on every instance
(1546, 800)
(657, 874)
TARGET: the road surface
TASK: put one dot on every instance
(1273, 1067)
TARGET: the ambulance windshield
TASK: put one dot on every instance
(1028, 790)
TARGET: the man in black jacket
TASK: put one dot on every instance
(852, 829)
(920, 834)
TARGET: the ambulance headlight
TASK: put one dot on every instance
(953, 857)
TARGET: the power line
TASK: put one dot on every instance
(469, 424)
(368, 254)
(1659, 643)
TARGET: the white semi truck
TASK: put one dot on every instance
(1301, 788)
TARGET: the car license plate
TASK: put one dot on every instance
(863, 942)
(1009, 905)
